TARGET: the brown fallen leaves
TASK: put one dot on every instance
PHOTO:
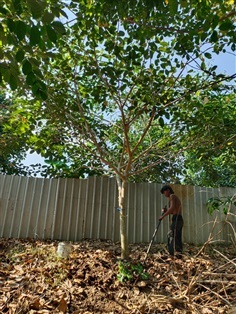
(33, 279)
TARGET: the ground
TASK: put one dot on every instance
(34, 279)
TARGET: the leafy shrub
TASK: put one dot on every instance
(128, 271)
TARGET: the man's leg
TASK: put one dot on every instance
(170, 242)
(178, 236)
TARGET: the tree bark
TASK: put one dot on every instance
(123, 218)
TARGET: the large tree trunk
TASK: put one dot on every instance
(123, 218)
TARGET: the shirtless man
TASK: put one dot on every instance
(175, 234)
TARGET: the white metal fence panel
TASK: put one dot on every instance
(74, 209)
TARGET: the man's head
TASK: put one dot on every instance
(167, 190)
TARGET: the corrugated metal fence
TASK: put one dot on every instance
(75, 209)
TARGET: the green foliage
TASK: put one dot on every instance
(12, 146)
(210, 172)
(210, 160)
(29, 30)
(221, 204)
(131, 272)
(115, 71)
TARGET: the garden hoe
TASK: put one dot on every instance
(153, 237)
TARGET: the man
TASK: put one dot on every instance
(175, 234)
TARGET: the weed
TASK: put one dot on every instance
(128, 271)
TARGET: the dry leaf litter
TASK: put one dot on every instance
(33, 279)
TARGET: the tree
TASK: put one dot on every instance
(13, 146)
(123, 80)
(29, 30)
(212, 162)
(120, 81)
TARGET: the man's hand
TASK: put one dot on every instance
(164, 210)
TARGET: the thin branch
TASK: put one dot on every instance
(216, 294)
(225, 257)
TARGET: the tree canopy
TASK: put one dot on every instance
(30, 30)
(153, 56)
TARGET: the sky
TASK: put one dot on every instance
(33, 159)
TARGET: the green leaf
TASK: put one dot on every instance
(35, 88)
(47, 17)
(225, 26)
(215, 21)
(121, 33)
(161, 121)
(17, 6)
(4, 11)
(167, 115)
(43, 95)
(208, 55)
(30, 79)
(35, 62)
(11, 25)
(20, 55)
(20, 29)
(34, 36)
(37, 7)
(214, 37)
(59, 27)
(27, 67)
(203, 66)
(173, 5)
(13, 82)
(51, 33)
(63, 13)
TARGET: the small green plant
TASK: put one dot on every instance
(221, 203)
(128, 271)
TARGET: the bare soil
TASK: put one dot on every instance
(33, 279)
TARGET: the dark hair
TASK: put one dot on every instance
(166, 188)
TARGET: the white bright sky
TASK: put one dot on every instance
(226, 64)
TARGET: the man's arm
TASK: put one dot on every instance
(171, 208)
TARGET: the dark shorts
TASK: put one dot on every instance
(175, 235)
(177, 217)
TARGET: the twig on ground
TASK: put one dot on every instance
(230, 261)
(216, 294)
